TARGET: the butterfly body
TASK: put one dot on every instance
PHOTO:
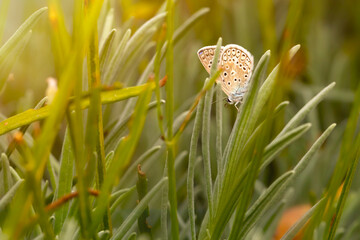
(237, 65)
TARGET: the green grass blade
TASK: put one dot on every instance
(225, 180)
(345, 191)
(123, 156)
(5, 175)
(142, 189)
(143, 31)
(269, 198)
(263, 203)
(15, 44)
(178, 34)
(135, 214)
(268, 87)
(281, 106)
(94, 140)
(65, 181)
(291, 233)
(130, 170)
(69, 229)
(205, 136)
(20, 33)
(349, 146)
(169, 113)
(23, 130)
(192, 158)
(191, 167)
(306, 109)
(60, 37)
(8, 61)
(233, 167)
(9, 195)
(108, 159)
(307, 157)
(157, 66)
(116, 59)
(282, 142)
(164, 205)
(133, 48)
(219, 128)
(241, 131)
(117, 130)
(107, 26)
(186, 26)
(118, 197)
(130, 66)
(33, 115)
(105, 52)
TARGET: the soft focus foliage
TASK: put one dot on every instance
(112, 129)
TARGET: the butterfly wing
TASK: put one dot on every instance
(238, 64)
(206, 56)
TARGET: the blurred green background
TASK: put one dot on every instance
(327, 30)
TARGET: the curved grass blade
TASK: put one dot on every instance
(345, 191)
(69, 230)
(269, 85)
(7, 198)
(291, 233)
(142, 189)
(150, 152)
(268, 198)
(178, 34)
(107, 26)
(6, 180)
(123, 155)
(191, 167)
(135, 214)
(280, 143)
(130, 63)
(118, 128)
(116, 59)
(23, 129)
(306, 109)
(233, 167)
(7, 63)
(262, 204)
(118, 197)
(169, 114)
(15, 44)
(65, 181)
(105, 51)
(233, 147)
(15, 39)
(33, 115)
(205, 136)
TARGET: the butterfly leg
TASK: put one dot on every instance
(237, 108)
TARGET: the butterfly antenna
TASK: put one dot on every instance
(217, 100)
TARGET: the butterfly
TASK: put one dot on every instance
(237, 64)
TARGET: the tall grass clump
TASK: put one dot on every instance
(126, 144)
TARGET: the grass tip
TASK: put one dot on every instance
(293, 51)
(42, 9)
(206, 9)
